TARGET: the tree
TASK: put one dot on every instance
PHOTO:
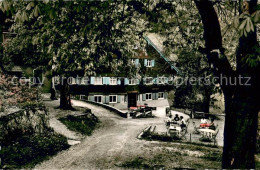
(241, 101)
(106, 32)
(75, 35)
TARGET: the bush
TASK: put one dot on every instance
(84, 125)
(28, 150)
(154, 136)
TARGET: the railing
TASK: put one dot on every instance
(162, 55)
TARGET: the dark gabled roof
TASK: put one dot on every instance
(168, 60)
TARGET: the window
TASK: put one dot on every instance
(132, 82)
(98, 80)
(113, 99)
(82, 97)
(113, 81)
(98, 99)
(149, 80)
(149, 63)
(148, 96)
(161, 95)
(161, 80)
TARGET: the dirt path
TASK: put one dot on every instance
(114, 140)
(114, 143)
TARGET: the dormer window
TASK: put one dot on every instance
(148, 80)
(161, 80)
(98, 80)
(113, 81)
(132, 81)
(148, 63)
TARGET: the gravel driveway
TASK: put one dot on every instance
(114, 143)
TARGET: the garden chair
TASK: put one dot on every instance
(214, 136)
(196, 129)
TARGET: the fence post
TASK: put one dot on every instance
(190, 137)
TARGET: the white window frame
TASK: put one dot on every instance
(98, 81)
(81, 97)
(112, 101)
(113, 81)
(159, 97)
(132, 81)
(150, 82)
(150, 95)
(149, 63)
(161, 80)
(98, 96)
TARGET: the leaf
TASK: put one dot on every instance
(245, 33)
(24, 16)
(52, 14)
(248, 25)
(36, 11)
(29, 6)
(242, 25)
(236, 22)
(256, 16)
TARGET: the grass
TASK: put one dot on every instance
(28, 150)
(179, 157)
(141, 163)
(84, 125)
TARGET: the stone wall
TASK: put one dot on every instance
(26, 121)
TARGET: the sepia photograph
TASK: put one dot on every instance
(129, 84)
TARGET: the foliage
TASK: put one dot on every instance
(13, 93)
(28, 150)
(84, 125)
(75, 35)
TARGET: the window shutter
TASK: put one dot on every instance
(145, 62)
(153, 63)
(166, 80)
(144, 97)
(104, 80)
(103, 99)
(166, 95)
(126, 81)
(118, 99)
(92, 80)
(106, 99)
(153, 96)
(77, 80)
(156, 96)
(118, 81)
(91, 98)
(136, 62)
(155, 81)
(137, 81)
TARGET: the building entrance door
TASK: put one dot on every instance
(132, 99)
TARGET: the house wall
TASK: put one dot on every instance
(122, 99)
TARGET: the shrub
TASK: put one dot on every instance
(84, 125)
(28, 150)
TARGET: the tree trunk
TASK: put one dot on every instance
(65, 100)
(241, 101)
(1, 39)
(206, 100)
(240, 129)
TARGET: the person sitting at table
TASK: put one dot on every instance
(176, 118)
(182, 122)
(212, 125)
(203, 121)
(168, 121)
